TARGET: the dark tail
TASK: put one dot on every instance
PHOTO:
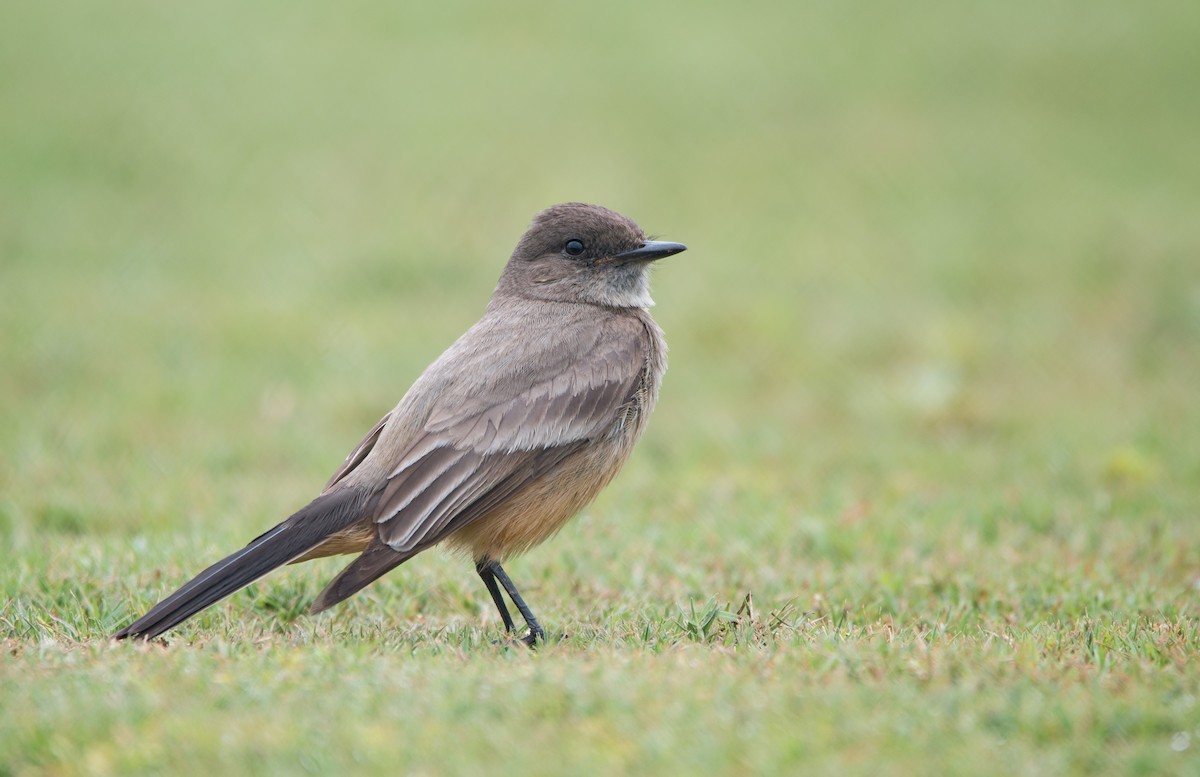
(374, 562)
(288, 541)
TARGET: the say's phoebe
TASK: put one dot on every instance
(508, 434)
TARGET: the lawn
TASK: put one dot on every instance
(922, 492)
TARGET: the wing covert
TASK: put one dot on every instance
(468, 459)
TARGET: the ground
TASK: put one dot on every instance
(922, 493)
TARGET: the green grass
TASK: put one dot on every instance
(922, 493)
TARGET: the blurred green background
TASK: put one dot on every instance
(935, 351)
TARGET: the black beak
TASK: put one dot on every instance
(648, 251)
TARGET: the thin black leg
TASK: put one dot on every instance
(491, 571)
(489, 579)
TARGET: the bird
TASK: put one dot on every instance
(509, 433)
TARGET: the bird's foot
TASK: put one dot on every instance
(532, 637)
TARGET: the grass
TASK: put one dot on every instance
(922, 494)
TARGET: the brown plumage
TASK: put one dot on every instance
(510, 432)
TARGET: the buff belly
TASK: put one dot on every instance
(536, 512)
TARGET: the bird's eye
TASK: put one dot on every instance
(574, 247)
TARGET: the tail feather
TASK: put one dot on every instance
(286, 542)
(375, 561)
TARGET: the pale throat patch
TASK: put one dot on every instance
(629, 287)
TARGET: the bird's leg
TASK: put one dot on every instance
(536, 632)
(491, 571)
(484, 568)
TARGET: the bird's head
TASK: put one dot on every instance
(584, 253)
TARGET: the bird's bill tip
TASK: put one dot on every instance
(649, 251)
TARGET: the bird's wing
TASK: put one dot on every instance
(359, 453)
(470, 456)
